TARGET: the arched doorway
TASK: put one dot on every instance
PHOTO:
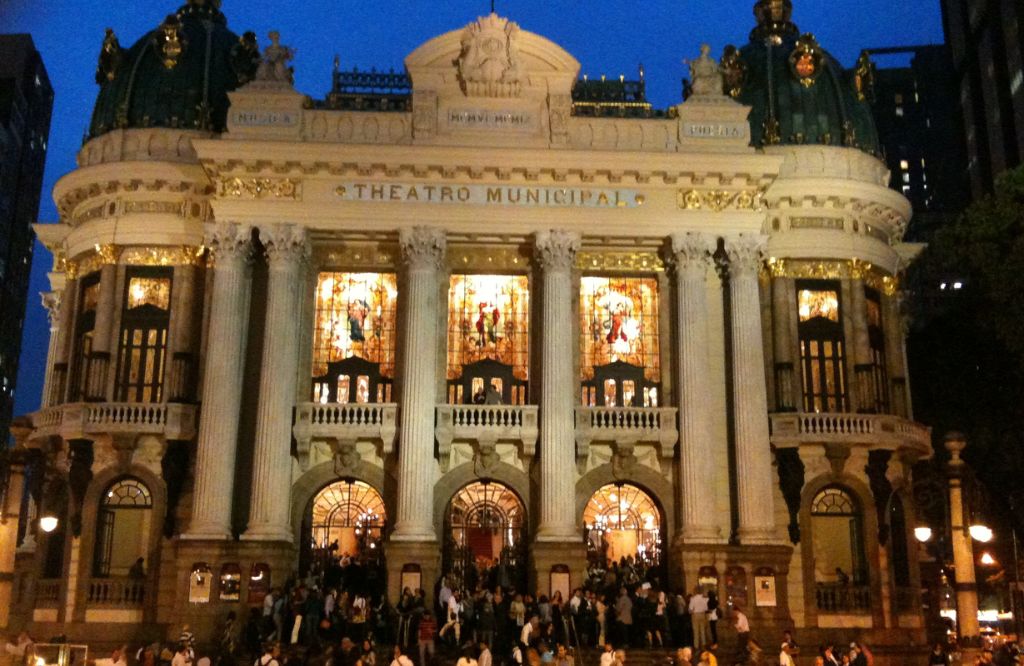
(344, 527)
(123, 526)
(485, 537)
(623, 525)
(837, 539)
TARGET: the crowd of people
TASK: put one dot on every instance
(340, 616)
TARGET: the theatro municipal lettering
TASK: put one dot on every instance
(498, 195)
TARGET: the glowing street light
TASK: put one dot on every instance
(923, 534)
(48, 523)
(987, 559)
(981, 533)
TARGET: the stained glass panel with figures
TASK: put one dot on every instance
(813, 303)
(489, 318)
(355, 316)
(149, 291)
(619, 322)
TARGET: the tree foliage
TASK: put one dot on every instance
(966, 345)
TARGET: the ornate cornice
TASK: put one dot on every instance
(619, 260)
(422, 248)
(556, 250)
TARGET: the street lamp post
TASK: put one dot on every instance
(963, 552)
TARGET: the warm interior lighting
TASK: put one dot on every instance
(981, 533)
(923, 534)
(987, 559)
(48, 523)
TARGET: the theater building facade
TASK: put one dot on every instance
(480, 312)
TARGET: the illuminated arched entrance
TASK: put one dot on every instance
(622, 521)
(346, 518)
(485, 537)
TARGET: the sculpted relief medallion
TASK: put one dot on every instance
(489, 62)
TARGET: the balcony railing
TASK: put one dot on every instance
(48, 593)
(794, 429)
(352, 422)
(116, 592)
(839, 598)
(627, 425)
(486, 424)
(82, 420)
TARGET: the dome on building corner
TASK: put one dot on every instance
(177, 75)
(798, 92)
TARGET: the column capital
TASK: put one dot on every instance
(52, 301)
(556, 249)
(422, 247)
(285, 243)
(228, 240)
(692, 250)
(745, 252)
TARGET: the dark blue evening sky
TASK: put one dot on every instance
(606, 36)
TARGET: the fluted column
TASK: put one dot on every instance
(183, 356)
(270, 507)
(99, 356)
(423, 251)
(555, 253)
(231, 247)
(52, 301)
(59, 373)
(894, 325)
(692, 253)
(862, 362)
(750, 400)
(783, 298)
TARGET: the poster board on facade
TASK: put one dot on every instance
(764, 590)
(560, 580)
(412, 577)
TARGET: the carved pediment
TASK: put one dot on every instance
(489, 64)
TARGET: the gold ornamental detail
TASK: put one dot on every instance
(610, 260)
(259, 188)
(834, 270)
(181, 255)
(485, 258)
(719, 200)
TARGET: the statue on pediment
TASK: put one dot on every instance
(274, 65)
(489, 62)
(705, 74)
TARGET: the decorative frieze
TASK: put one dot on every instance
(834, 270)
(720, 200)
(258, 188)
(620, 260)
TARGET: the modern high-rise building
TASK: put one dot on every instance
(478, 320)
(987, 42)
(26, 102)
(920, 130)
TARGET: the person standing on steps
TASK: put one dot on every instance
(699, 618)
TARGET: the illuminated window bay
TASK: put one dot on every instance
(489, 318)
(355, 316)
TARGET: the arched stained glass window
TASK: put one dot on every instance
(128, 492)
(622, 520)
(348, 516)
(123, 526)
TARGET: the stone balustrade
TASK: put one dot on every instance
(355, 421)
(487, 424)
(627, 426)
(48, 592)
(840, 598)
(86, 420)
(116, 592)
(795, 429)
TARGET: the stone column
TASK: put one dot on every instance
(59, 374)
(10, 517)
(861, 348)
(786, 382)
(231, 247)
(963, 549)
(52, 301)
(750, 400)
(555, 253)
(183, 356)
(423, 251)
(99, 358)
(895, 355)
(287, 249)
(692, 253)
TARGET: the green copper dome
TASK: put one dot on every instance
(177, 75)
(799, 93)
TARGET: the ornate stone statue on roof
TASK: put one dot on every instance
(274, 67)
(705, 74)
(489, 62)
